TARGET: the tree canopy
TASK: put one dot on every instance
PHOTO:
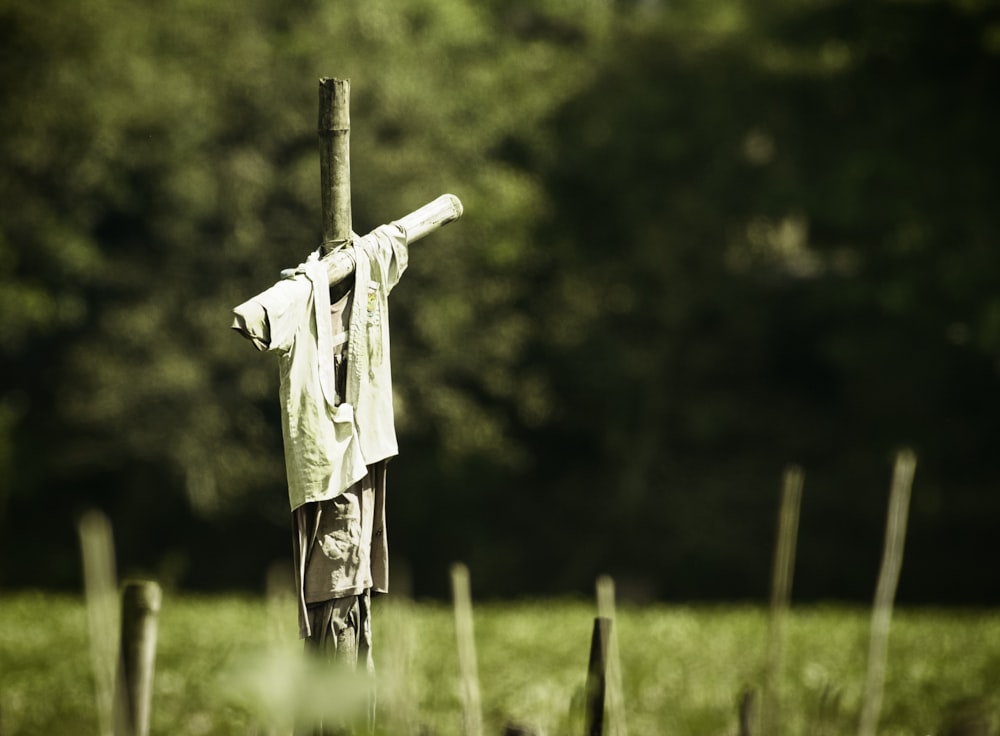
(700, 242)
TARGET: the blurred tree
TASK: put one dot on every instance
(769, 243)
(701, 240)
(164, 164)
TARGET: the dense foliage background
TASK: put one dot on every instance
(701, 241)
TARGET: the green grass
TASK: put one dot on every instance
(231, 665)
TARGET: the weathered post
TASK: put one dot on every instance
(465, 639)
(614, 719)
(781, 590)
(597, 673)
(100, 583)
(746, 709)
(140, 608)
(517, 729)
(885, 592)
(334, 128)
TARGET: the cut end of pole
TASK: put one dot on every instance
(606, 596)
(335, 107)
(460, 580)
(433, 215)
(456, 205)
(143, 595)
(905, 466)
(793, 479)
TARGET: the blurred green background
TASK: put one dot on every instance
(701, 241)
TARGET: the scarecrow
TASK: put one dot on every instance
(327, 320)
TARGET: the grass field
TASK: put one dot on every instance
(231, 665)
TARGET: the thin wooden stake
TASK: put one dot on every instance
(334, 128)
(616, 722)
(465, 636)
(597, 671)
(517, 729)
(781, 588)
(100, 584)
(398, 686)
(746, 709)
(885, 592)
(140, 608)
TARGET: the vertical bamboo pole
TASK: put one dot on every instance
(140, 608)
(517, 729)
(781, 588)
(334, 128)
(885, 592)
(399, 687)
(597, 672)
(465, 637)
(616, 723)
(745, 712)
(99, 577)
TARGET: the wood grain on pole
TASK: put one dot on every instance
(141, 602)
(334, 128)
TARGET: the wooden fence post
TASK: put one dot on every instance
(516, 729)
(140, 608)
(746, 713)
(100, 588)
(614, 719)
(466, 642)
(781, 589)
(885, 592)
(597, 673)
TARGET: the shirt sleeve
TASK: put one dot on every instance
(390, 252)
(271, 318)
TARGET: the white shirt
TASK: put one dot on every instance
(328, 446)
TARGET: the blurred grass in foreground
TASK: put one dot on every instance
(231, 665)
